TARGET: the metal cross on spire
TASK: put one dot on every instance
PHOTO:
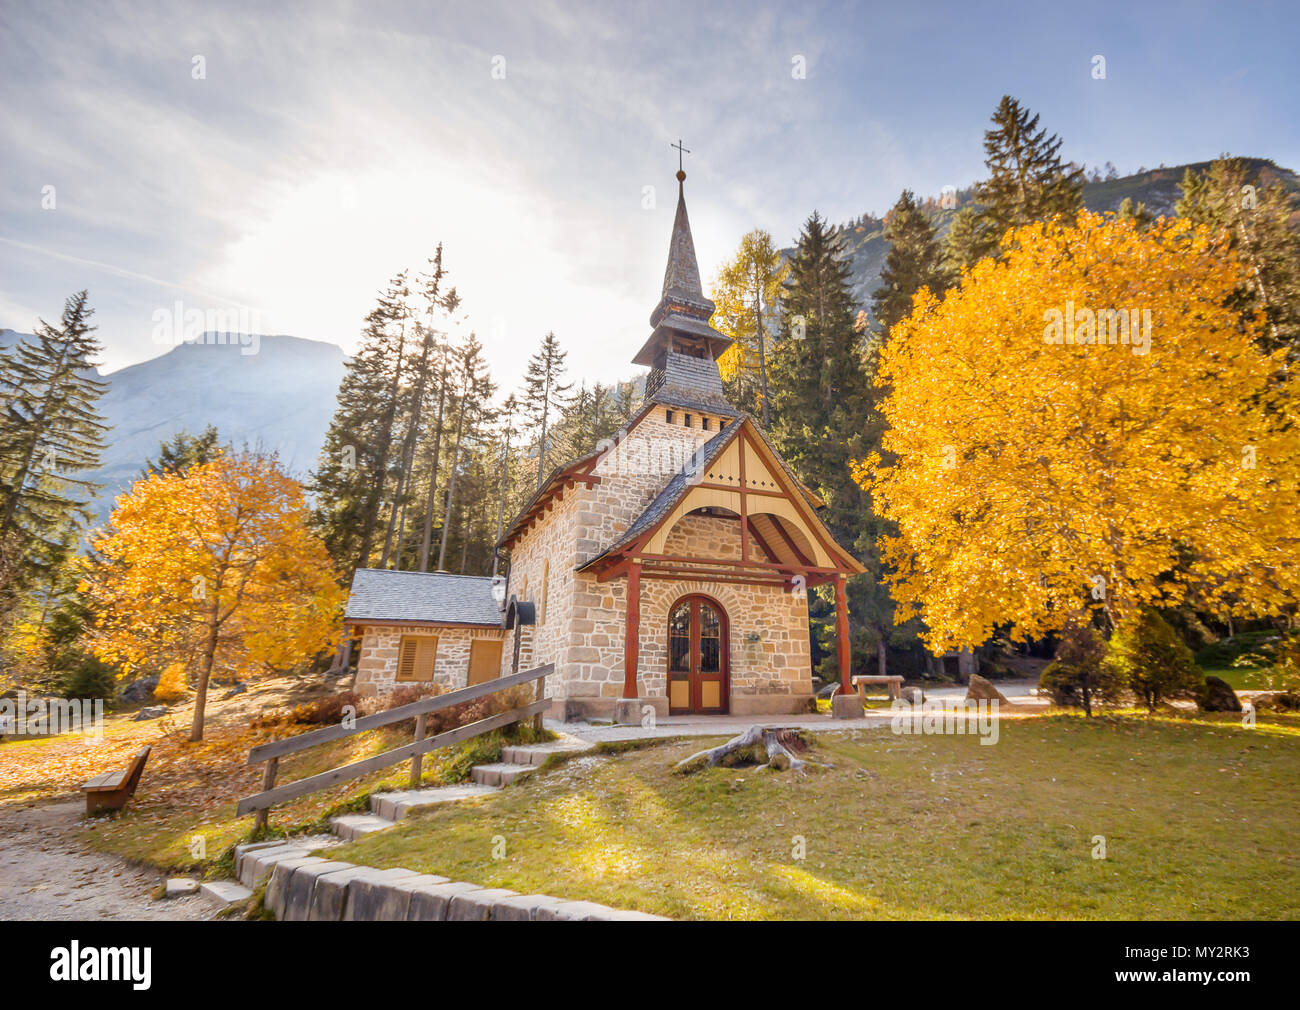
(680, 151)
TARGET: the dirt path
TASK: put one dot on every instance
(47, 871)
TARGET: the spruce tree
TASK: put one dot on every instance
(51, 435)
(473, 412)
(821, 395)
(1027, 182)
(545, 394)
(183, 450)
(914, 261)
(1135, 212)
(352, 477)
(1252, 220)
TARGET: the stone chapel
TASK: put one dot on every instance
(670, 567)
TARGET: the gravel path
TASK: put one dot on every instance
(47, 871)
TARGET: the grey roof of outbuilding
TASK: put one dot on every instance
(381, 596)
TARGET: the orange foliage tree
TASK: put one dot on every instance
(213, 566)
(1051, 456)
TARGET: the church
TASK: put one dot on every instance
(668, 568)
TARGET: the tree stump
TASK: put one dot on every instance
(776, 748)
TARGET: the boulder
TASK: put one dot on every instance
(912, 695)
(138, 690)
(981, 690)
(1218, 696)
(157, 712)
(239, 688)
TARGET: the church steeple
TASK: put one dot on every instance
(682, 276)
(683, 349)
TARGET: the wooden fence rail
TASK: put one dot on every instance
(271, 753)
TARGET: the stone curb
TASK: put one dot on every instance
(309, 888)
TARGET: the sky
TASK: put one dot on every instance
(288, 159)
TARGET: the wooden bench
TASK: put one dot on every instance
(895, 684)
(111, 790)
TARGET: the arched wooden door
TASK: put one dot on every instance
(698, 657)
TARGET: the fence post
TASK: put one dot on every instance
(538, 695)
(268, 780)
(417, 762)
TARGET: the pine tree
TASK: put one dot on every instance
(1253, 221)
(914, 261)
(545, 394)
(352, 477)
(183, 450)
(1135, 212)
(1027, 182)
(473, 411)
(507, 420)
(433, 441)
(821, 396)
(425, 370)
(51, 433)
(968, 241)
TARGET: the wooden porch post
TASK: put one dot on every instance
(842, 633)
(631, 642)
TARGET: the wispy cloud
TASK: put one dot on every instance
(329, 145)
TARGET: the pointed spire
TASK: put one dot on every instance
(682, 276)
(681, 319)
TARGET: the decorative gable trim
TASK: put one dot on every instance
(734, 467)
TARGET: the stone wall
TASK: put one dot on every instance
(381, 645)
(541, 567)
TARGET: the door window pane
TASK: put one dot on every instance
(710, 639)
(679, 638)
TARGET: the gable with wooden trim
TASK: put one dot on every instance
(739, 475)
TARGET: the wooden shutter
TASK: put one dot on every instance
(484, 660)
(416, 658)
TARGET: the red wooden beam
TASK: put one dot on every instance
(842, 633)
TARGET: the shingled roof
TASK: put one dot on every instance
(383, 596)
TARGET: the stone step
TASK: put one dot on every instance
(221, 893)
(396, 805)
(350, 827)
(537, 753)
(501, 773)
(254, 861)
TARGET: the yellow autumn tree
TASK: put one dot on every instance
(1053, 454)
(746, 297)
(213, 568)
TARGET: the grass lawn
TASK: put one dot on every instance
(1200, 818)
